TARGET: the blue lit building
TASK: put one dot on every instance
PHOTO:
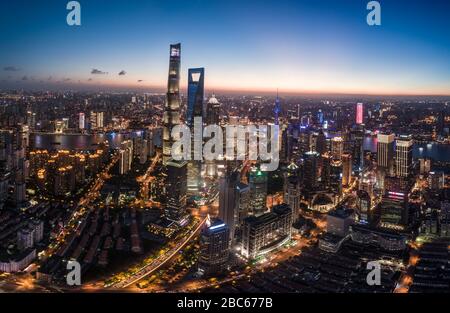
(196, 87)
(214, 247)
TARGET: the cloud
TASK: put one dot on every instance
(11, 68)
(98, 72)
(122, 72)
(90, 79)
(140, 80)
(50, 78)
(25, 78)
(66, 79)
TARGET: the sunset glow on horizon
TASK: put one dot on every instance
(295, 46)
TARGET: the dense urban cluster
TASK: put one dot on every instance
(90, 177)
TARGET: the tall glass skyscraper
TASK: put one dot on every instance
(196, 87)
(195, 109)
(172, 107)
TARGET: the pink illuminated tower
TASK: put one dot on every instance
(359, 113)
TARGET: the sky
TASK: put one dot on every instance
(298, 46)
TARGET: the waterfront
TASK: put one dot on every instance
(435, 151)
(80, 142)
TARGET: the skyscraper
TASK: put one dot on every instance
(195, 95)
(385, 151)
(214, 247)
(213, 111)
(359, 113)
(258, 191)
(176, 190)
(277, 110)
(172, 105)
(194, 115)
(346, 169)
(321, 143)
(81, 122)
(337, 148)
(228, 205)
(310, 170)
(403, 156)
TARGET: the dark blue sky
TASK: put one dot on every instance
(302, 45)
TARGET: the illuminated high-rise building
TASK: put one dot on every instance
(385, 151)
(359, 113)
(194, 119)
(228, 205)
(214, 247)
(195, 107)
(337, 148)
(81, 120)
(96, 120)
(258, 191)
(321, 143)
(346, 169)
(403, 156)
(357, 150)
(310, 170)
(172, 106)
(277, 110)
(213, 111)
(176, 191)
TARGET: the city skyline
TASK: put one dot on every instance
(299, 47)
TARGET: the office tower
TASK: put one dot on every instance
(425, 166)
(320, 117)
(394, 206)
(436, 181)
(172, 106)
(336, 176)
(228, 205)
(337, 148)
(25, 238)
(385, 152)
(258, 191)
(357, 150)
(368, 182)
(363, 206)
(277, 110)
(148, 135)
(243, 207)
(321, 143)
(196, 81)
(304, 141)
(126, 156)
(81, 121)
(213, 111)
(292, 197)
(176, 192)
(359, 113)
(267, 232)
(194, 115)
(31, 120)
(346, 169)
(96, 120)
(403, 156)
(325, 170)
(310, 170)
(214, 248)
(339, 221)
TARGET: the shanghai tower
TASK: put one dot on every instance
(172, 106)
